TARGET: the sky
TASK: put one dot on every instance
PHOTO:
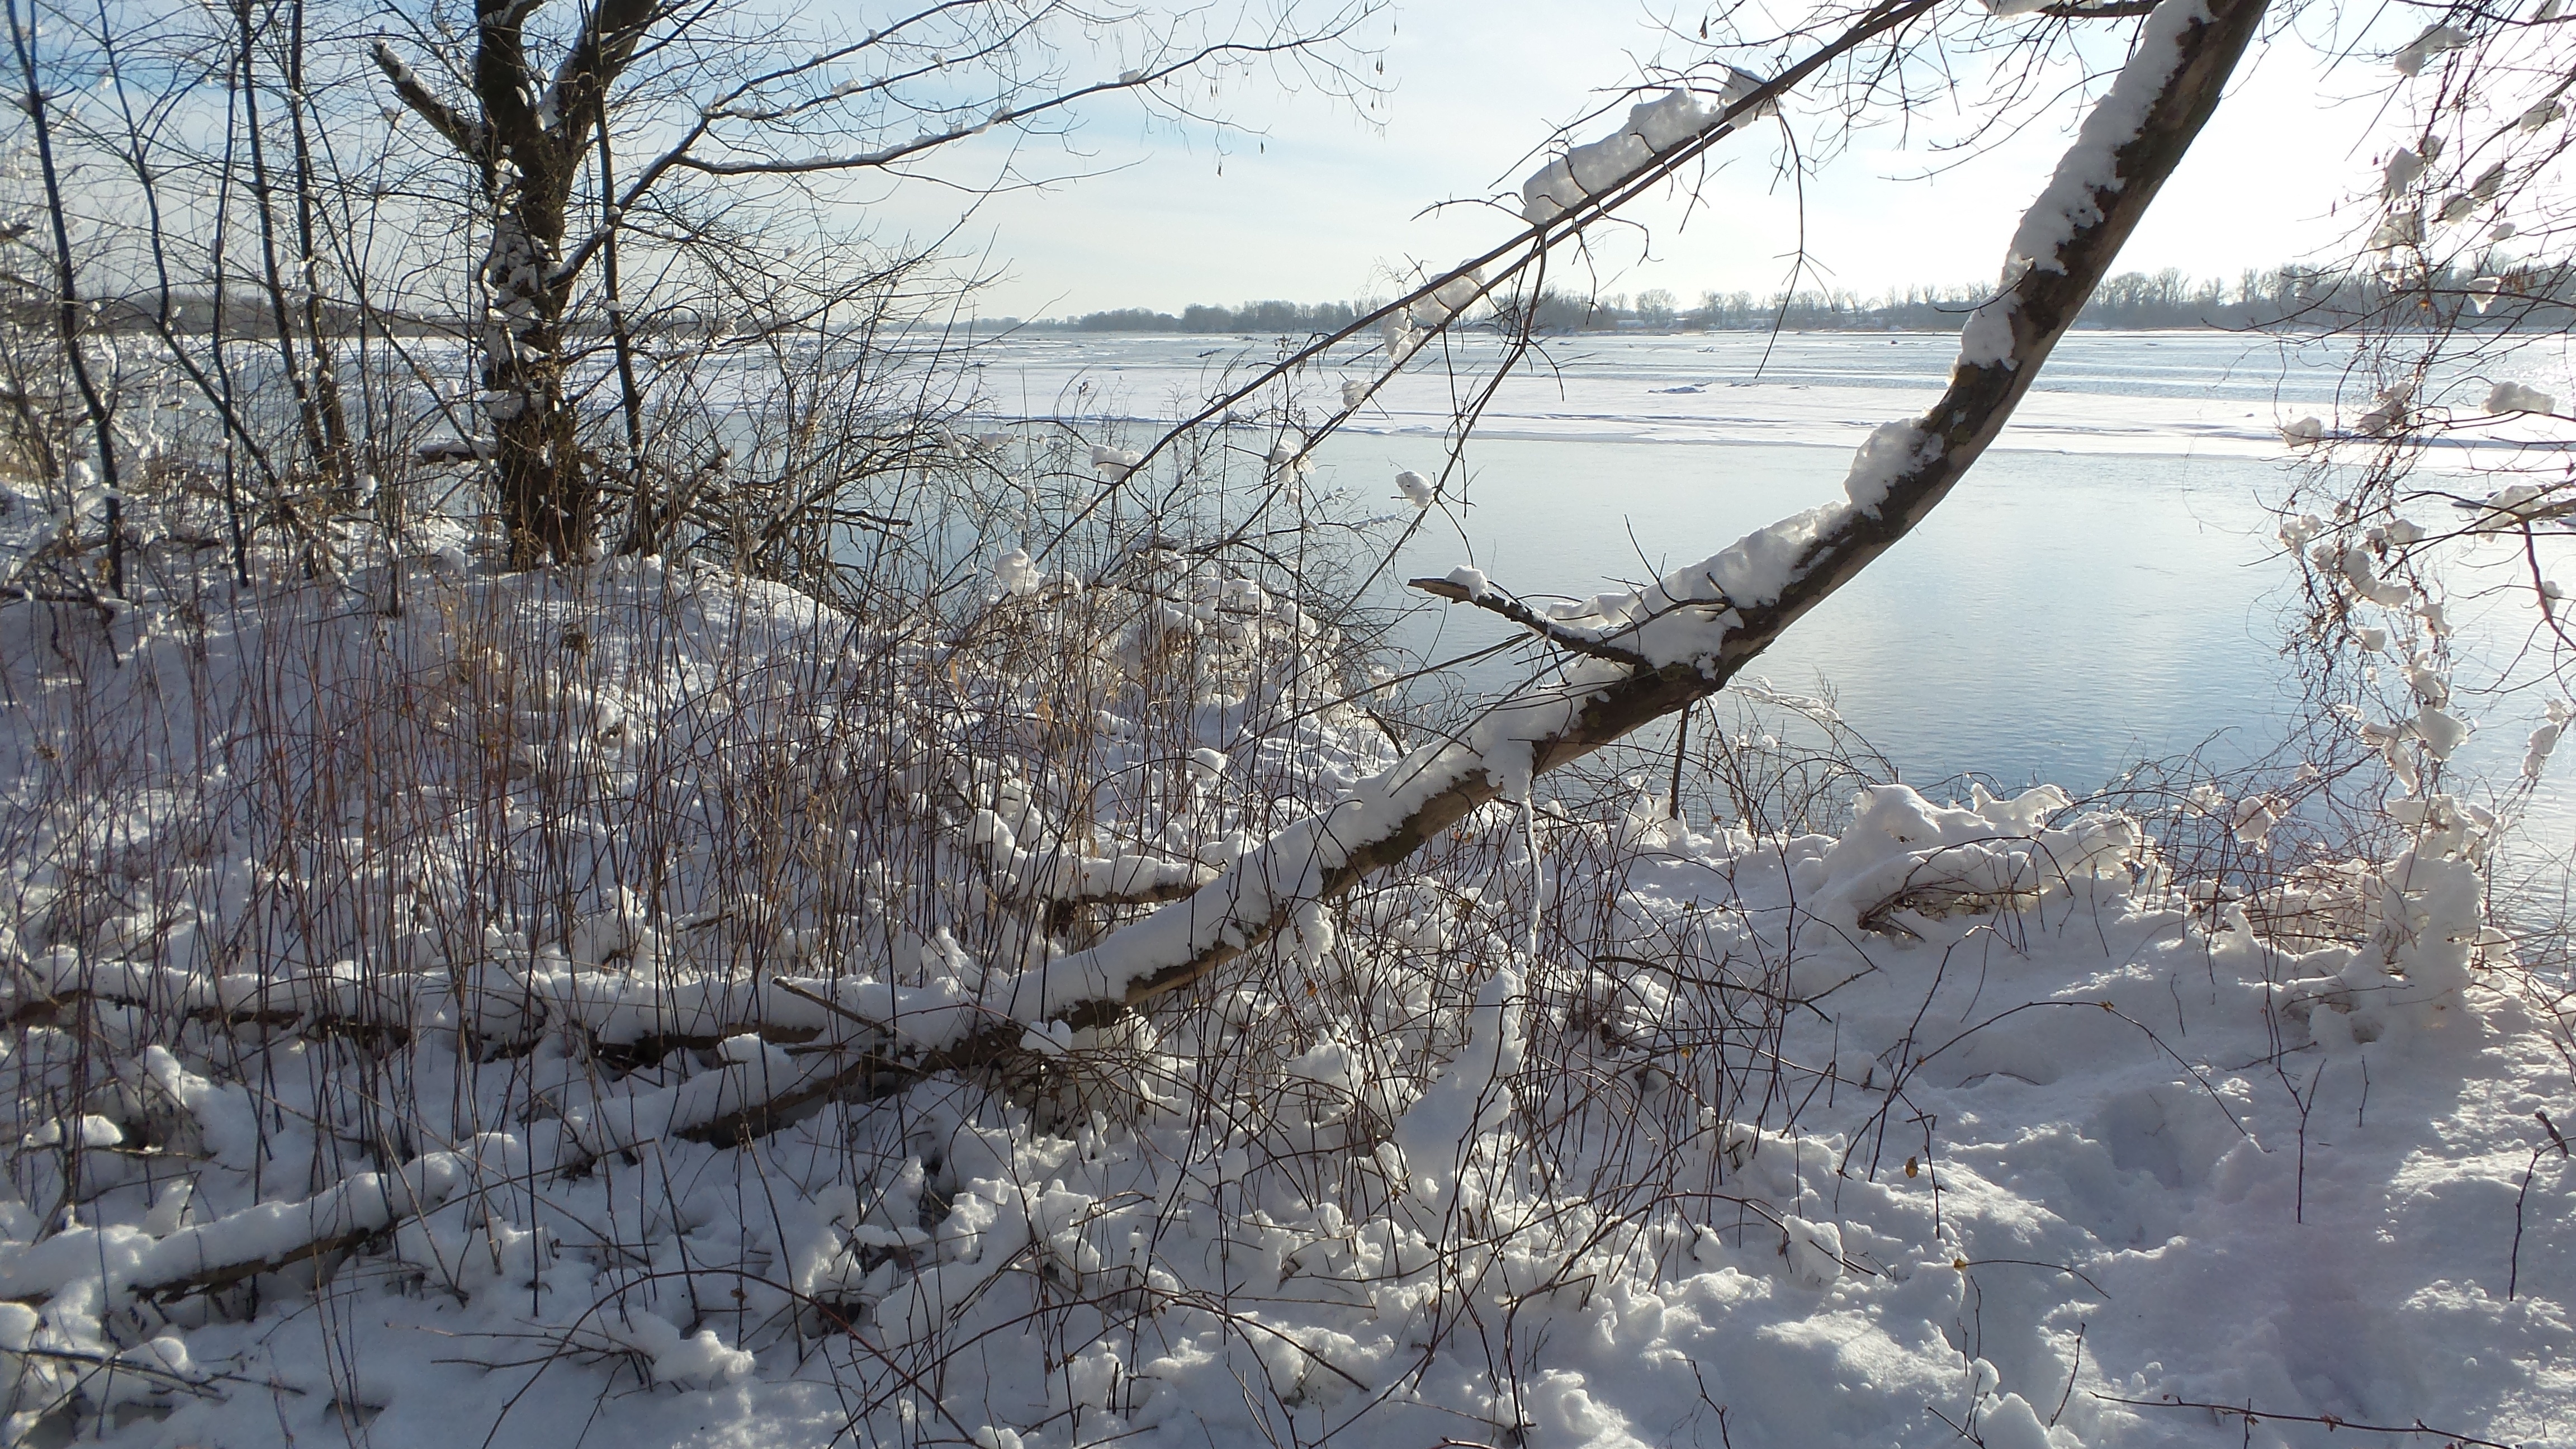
(1312, 201)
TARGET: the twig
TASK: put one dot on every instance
(2253, 1416)
(2513, 1261)
(1530, 619)
(2068, 1270)
(2072, 1370)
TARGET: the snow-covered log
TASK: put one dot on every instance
(262, 1239)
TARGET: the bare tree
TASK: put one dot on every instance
(70, 315)
(536, 118)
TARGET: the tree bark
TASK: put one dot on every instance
(526, 146)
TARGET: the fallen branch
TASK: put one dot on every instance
(266, 1238)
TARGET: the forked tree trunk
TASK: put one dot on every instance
(525, 140)
(545, 492)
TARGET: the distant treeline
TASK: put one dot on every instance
(2131, 300)
(2305, 296)
(237, 314)
(1262, 317)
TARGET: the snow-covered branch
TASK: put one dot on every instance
(463, 133)
(1697, 627)
(1469, 586)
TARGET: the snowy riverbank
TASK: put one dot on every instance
(485, 1022)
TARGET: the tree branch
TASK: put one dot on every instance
(681, 154)
(593, 64)
(2092, 206)
(443, 118)
(501, 80)
(1530, 619)
(1529, 247)
(2253, 1416)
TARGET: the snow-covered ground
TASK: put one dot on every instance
(452, 1008)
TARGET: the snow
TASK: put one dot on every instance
(2400, 173)
(1450, 297)
(1115, 463)
(2509, 507)
(2361, 571)
(393, 66)
(1892, 451)
(2436, 40)
(2440, 732)
(2403, 229)
(2387, 411)
(699, 1360)
(1955, 1110)
(1051, 871)
(1653, 130)
(2516, 397)
(1015, 574)
(2535, 757)
(1814, 1251)
(1901, 848)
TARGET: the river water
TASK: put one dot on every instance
(2104, 587)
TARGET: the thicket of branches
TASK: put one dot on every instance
(612, 265)
(1067, 827)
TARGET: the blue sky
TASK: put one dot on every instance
(1314, 202)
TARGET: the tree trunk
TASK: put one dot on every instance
(529, 156)
(339, 460)
(548, 499)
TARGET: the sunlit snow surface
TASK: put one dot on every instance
(2089, 1183)
(2197, 393)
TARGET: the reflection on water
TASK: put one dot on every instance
(2057, 618)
